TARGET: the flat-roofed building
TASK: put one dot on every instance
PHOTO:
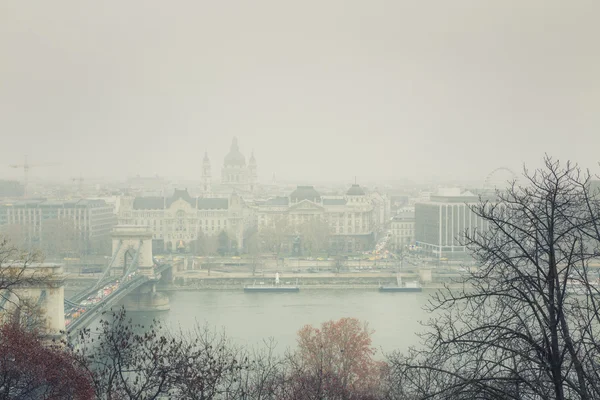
(441, 222)
(91, 220)
(11, 189)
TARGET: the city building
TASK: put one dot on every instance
(91, 220)
(382, 209)
(397, 202)
(11, 189)
(236, 175)
(402, 230)
(352, 220)
(206, 174)
(441, 222)
(180, 219)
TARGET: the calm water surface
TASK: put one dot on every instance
(249, 318)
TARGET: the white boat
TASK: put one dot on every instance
(275, 288)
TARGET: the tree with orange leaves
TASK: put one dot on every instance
(336, 362)
(33, 369)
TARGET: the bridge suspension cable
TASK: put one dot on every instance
(40, 300)
(133, 264)
(69, 303)
(110, 265)
(4, 295)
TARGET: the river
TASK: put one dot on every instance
(249, 318)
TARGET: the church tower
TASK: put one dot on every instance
(235, 172)
(206, 174)
(253, 178)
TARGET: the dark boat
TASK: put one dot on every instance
(271, 289)
(399, 289)
(402, 287)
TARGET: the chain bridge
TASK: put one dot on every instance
(130, 278)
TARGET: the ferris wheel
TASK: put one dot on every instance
(500, 178)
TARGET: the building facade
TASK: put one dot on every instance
(92, 220)
(402, 230)
(441, 223)
(11, 189)
(351, 220)
(179, 220)
(236, 175)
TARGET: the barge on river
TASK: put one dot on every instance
(402, 287)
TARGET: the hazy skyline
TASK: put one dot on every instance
(319, 90)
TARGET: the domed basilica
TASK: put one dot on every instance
(236, 175)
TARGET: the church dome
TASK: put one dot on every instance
(234, 157)
(355, 190)
(305, 193)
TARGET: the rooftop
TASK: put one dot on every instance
(334, 202)
(277, 201)
(355, 190)
(213, 203)
(160, 203)
(234, 157)
(404, 217)
(44, 203)
(305, 193)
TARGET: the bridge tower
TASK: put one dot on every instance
(132, 252)
(132, 244)
(46, 295)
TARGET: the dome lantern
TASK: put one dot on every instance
(234, 157)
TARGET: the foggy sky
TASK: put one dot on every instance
(320, 89)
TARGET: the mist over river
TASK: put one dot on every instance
(248, 318)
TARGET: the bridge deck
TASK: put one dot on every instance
(91, 312)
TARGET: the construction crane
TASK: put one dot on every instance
(26, 167)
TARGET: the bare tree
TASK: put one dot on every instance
(32, 369)
(60, 238)
(340, 263)
(15, 274)
(16, 234)
(276, 235)
(526, 324)
(224, 243)
(253, 249)
(131, 361)
(315, 235)
(149, 362)
(199, 245)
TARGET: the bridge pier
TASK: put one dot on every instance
(44, 298)
(133, 245)
(145, 299)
